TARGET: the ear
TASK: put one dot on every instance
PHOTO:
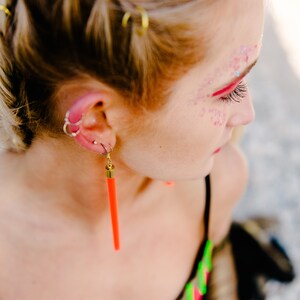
(87, 122)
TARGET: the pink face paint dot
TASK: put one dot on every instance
(237, 67)
(202, 112)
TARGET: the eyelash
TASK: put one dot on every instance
(237, 95)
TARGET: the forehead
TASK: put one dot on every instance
(236, 38)
(234, 24)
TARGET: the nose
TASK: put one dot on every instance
(242, 112)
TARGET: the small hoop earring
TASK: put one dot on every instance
(66, 128)
(104, 147)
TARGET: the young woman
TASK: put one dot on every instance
(153, 88)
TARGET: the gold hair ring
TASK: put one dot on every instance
(125, 19)
(144, 20)
(5, 9)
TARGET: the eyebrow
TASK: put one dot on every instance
(233, 82)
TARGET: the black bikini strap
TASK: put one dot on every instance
(207, 206)
(206, 225)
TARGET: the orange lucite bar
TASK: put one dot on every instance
(111, 186)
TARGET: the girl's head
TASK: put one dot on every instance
(158, 92)
(46, 44)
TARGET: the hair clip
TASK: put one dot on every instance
(144, 20)
(5, 10)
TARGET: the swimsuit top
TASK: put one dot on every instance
(196, 285)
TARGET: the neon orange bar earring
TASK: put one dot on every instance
(112, 195)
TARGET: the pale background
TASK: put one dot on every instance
(272, 142)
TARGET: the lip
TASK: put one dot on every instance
(217, 150)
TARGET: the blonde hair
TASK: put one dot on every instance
(47, 43)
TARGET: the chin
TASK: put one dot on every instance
(202, 171)
(208, 167)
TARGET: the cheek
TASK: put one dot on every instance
(217, 117)
(214, 115)
(203, 104)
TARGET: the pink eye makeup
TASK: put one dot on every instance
(236, 68)
(228, 89)
(237, 94)
(234, 83)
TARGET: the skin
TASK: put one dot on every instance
(55, 233)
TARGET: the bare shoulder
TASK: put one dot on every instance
(229, 178)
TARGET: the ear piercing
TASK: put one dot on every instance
(113, 203)
(72, 129)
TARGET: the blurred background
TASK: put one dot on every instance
(272, 142)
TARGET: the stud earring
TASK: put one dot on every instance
(237, 73)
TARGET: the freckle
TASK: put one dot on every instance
(200, 96)
(237, 66)
(202, 113)
(236, 59)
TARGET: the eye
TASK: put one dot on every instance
(237, 95)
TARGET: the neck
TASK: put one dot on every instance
(74, 178)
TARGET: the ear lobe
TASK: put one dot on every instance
(86, 121)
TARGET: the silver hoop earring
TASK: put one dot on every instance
(107, 151)
(66, 128)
